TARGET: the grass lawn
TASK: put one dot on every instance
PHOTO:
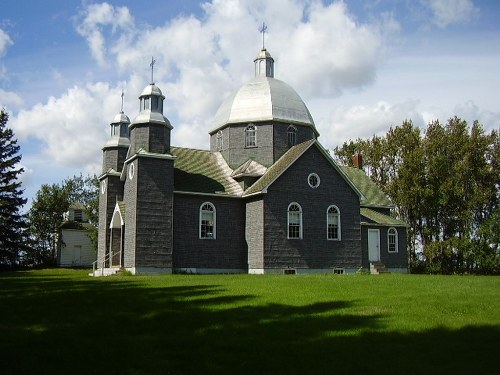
(64, 322)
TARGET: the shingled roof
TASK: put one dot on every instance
(373, 195)
(202, 171)
(379, 218)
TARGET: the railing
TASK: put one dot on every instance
(107, 257)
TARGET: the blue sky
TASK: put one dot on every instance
(360, 66)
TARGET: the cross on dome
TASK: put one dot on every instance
(153, 61)
(263, 30)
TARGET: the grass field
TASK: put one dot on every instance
(64, 322)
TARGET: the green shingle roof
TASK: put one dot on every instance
(202, 171)
(379, 218)
(373, 195)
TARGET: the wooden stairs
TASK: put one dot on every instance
(376, 268)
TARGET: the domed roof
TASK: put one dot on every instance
(121, 118)
(263, 99)
(152, 89)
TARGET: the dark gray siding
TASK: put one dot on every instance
(114, 158)
(149, 214)
(314, 250)
(262, 153)
(227, 251)
(150, 137)
(280, 135)
(390, 260)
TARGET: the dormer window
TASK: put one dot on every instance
(78, 215)
(292, 136)
(250, 136)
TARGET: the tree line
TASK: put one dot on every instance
(444, 181)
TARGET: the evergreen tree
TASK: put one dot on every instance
(12, 222)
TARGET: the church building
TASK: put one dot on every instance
(266, 198)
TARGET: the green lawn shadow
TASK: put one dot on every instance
(66, 326)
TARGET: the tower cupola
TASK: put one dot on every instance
(150, 130)
(264, 64)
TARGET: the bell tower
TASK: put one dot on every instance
(111, 188)
(149, 184)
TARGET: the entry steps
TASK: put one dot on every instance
(105, 271)
(377, 268)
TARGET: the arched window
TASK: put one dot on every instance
(220, 141)
(207, 221)
(392, 240)
(292, 136)
(294, 221)
(333, 223)
(250, 136)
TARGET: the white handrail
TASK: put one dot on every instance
(106, 258)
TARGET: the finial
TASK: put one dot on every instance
(121, 110)
(153, 61)
(263, 30)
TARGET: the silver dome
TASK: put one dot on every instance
(152, 89)
(121, 118)
(263, 99)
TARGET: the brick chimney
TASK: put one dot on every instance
(357, 161)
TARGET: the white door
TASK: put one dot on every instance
(373, 245)
(77, 255)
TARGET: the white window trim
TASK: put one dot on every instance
(397, 240)
(288, 222)
(219, 141)
(317, 177)
(214, 236)
(339, 237)
(247, 135)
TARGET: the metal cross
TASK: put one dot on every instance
(152, 69)
(263, 30)
(122, 101)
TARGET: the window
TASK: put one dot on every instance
(220, 141)
(207, 221)
(313, 180)
(294, 221)
(250, 136)
(333, 223)
(292, 136)
(154, 103)
(392, 240)
(78, 215)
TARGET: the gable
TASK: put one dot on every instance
(287, 160)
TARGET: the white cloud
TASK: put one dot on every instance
(5, 41)
(97, 16)
(71, 127)
(363, 121)
(447, 12)
(10, 100)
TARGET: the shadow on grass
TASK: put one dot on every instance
(62, 326)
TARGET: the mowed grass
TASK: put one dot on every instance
(64, 322)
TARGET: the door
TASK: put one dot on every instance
(373, 245)
(77, 256)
